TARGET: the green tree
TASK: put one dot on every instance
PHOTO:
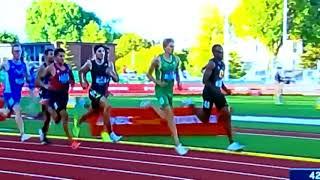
(51, 20)
(142, 59)
(304, 21)
(263, 19)
(6, 37)
(112, 34)
(130, 43)
(236, 66)
(93, 33)
(183, 55)
(310, 57)
(211, 32)
(260, 19)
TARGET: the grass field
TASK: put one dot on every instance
(295, 106)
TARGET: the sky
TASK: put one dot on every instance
(152, 19)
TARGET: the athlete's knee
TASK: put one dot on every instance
(168, 112)
(224, 114)
(63, 115)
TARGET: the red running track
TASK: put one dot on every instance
(31, 160)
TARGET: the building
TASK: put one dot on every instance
(78, 52)
(81, 52)
(34, 51)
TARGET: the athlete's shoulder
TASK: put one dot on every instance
(211, 63)
(177, 58)
(156, 59)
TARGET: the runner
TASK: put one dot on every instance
(279, 78)
(15, 74)
(58, 89)
(166, 67)
(43, 93)
(102, 71)
(212, 79)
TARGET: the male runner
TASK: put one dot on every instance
(279, 78)
(15, 74)
(166, 67)
(58, 87)
(212, 79)
(102, 70)
(43, 93)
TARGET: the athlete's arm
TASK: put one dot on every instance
(47, 71)
(113, 73)
(72, 81)
(177, 73)
(204, 68)
(39, 83)
(83, 74)
(153, 66)
(5, 65)
(207, 73)
(225, 89)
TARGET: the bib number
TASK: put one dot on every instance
(101, 80)
(169, 76)
(64, 78)
(219, 83)
(19, 81)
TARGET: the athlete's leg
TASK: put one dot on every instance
(104, 105)
(204, 113)
(166, 113)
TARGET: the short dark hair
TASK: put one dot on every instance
(15, 45)
(96, 47)
(58, 50)
(214, 47)
(166, 42)
(46, 52)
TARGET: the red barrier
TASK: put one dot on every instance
(145, 121)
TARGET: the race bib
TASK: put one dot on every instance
(64, 78)
(219, 83)
(169, 76)
(101, 80)
(19, 81)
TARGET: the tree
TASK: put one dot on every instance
(50, 20)
(142, 59)
(130, 42)
(112, 34)
(211, 32)
(93, 33)
(183, 55)
(261, 19)
(6, 37)
(236, 67)
(310, 57)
